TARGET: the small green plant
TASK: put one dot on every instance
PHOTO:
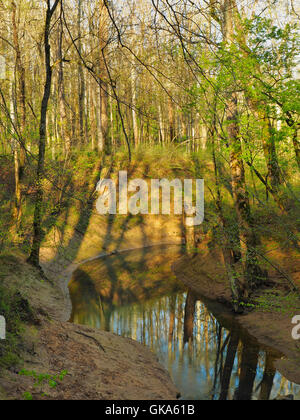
(278, 301)
(27, 396)
(42, 380)
(246, 305)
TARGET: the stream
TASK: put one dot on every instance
(208, 355)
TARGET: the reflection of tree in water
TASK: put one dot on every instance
(100, 286)
(86, 304)
(207, 358)
(243, 371)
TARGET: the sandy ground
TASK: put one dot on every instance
(100, 365)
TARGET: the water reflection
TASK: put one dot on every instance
(207, 354)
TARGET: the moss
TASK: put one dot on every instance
(16, 311)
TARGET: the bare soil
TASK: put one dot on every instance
(99, 365)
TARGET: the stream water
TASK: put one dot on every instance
(136, 295)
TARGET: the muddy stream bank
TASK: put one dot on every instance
(207, 351)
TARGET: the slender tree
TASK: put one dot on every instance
(34, 258)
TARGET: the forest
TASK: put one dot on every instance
(202, 89)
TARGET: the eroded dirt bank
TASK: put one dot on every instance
(271, 320)
(82, 241)
(99, 365)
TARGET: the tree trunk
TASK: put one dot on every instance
(203, 135)
(104, 141)
(94, 120)
(171, 120)
(229, 363)
(189, 316)
(81, 84)
(64, 126)
(268, 378)
(18, 191)
(271, 154)
(20, 120)
(247, 237)
(111, 106)
(161, 125)
(296, 144)
(172, 318)
(248, 371)
(134, 103)
(230, 255)
(34, 258)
